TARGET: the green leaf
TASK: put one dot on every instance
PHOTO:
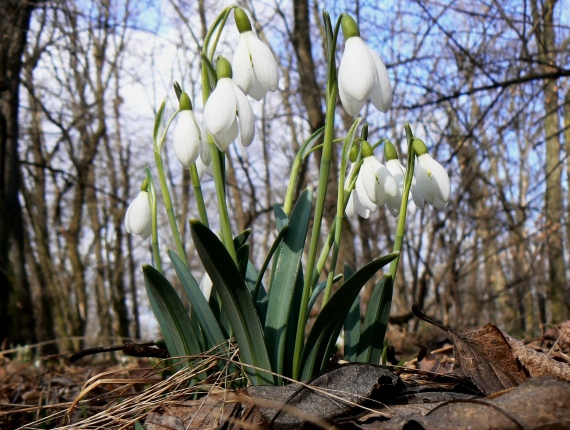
(200, 305)
(317, 291)
(243, 259)
(274, 247)
(328, 324)
(241, 238)
(172, 317)
(351, 324)
(375, 322)
(138, 426)
(236, 301)
(158, 122)
(259, 295)
(284, 279)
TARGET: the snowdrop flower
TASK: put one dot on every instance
(431, 178)
(353, 205)
(138, 216)
(375, 185)
(202, 168)
(189, 135)
(254, 67)
(361, 74)
(227, 111)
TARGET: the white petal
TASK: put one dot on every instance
(381, 94)
(200, 167)
(245, 117)
(220, 109)
(397, 171)
(357, 71)
(257, 91)
(242, 68)
(424, 179)
(226, 137)
(386, 185)
(187, 138)
(264, 64)
(369, 179)
(138, 216)
(352, 107)
(441, 185)
(417, 195)
(360, 209)
(350, 206)
(362, 194)
(206, 286)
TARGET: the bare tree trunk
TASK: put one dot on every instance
(554, 206)
(16, 314)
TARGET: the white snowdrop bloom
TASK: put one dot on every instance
(206, 286)
(255, 70)
(228, 112)
(361, 75)
(138, 216)
(375, 184)
(189, 138)
(431, 178)
(202, 168)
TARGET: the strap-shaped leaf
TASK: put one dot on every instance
(241, 238)
(351, 324)
(376, 321)
(236, 301)
(283, 281)
(317, 292)
(200, 305)
(172, 317)
(258, 293)
(328, 324)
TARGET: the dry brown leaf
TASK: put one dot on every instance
(495, 361)
(559, 335)
(430, 363)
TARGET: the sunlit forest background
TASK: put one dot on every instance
(484, 83)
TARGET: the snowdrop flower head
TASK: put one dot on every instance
(138, 216)
(361, 74)
(227, 111)
(189, 135)
(431, 178)
(353, 204)
(374, 184)
(254, 67)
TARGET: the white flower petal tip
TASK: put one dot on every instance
(206, 286)
(255, 69)
(138, 216)
(433, 185)
(228, 112)
(189, 138)
(362, 75)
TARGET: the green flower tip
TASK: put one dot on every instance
(144, 185)
(353, 154)
(390, 152)
(349, 27)
(366, 149)
(242, 21)
(419, 147)
(223, 68)
(185, 103)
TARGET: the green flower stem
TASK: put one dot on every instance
(219, 23)
(199, 195)
(299, 157)
(340, 207)
(332, 93)
(404, 205)
(166, 192)
(154, 221)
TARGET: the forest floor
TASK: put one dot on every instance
(482, 378)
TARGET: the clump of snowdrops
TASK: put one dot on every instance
(268, 321)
